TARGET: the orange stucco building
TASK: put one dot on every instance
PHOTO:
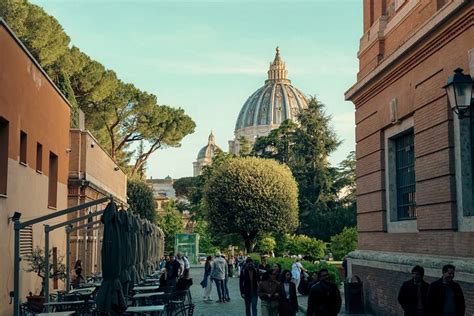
(34, 158)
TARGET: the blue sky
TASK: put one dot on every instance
(208, 57)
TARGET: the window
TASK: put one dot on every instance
(39, 157)
(3, 155)
(53, 180)
(464, 167)
(23, 147)
(405, 176)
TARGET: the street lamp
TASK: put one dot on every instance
(459, 91)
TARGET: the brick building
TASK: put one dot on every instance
(34, 159)
(93, 174)
(414, 155)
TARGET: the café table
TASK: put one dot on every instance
(137, 298)
(83, 291)
(144, 288)
(146, 309)
(57, 314)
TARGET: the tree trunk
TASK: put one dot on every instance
(250, 241)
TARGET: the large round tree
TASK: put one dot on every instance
(249, 196)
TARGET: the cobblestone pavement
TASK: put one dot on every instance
(235, 307)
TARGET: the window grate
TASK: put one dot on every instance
(26, 241)
(405, 168)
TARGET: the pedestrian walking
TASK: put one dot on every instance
(206, 282)
(78, 278)
(184, 282)
(288, 304)
(186, 263)
(163, 278)
(181, 261)
(414, 293)
(277, 267)
(240, 263)
(162, 262)
(344, 266)
(263, 266)
(269, 293)
(324, 297)
(296, 270)
(445, 297)
(174, 270)
(248, 283)
(226, 282)
(218, 274)
(231, 262)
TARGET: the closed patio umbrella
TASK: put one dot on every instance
(124, 232)
(110, 296)
(148, 257)
(141, 246)
(134, 247)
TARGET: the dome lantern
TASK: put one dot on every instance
(277, 71)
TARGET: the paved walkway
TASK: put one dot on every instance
(236, 306)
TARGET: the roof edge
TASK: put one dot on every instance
(23, 47)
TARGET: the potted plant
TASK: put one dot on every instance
(36, 264)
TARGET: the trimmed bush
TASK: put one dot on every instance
(344, 242)
(304, 245)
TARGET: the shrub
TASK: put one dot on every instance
(344, 242)
(304, 245)
(266, 244)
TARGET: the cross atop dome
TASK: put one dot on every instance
(277, 71)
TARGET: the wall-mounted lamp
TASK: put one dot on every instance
(15, 217)
(68, 150)
(116, 168)
(92, 144)
(459, 91)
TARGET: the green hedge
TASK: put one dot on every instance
(309, 266)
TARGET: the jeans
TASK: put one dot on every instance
(269, 308)
(220, 289)
(208, 289)
(251, 301)
(226, 289)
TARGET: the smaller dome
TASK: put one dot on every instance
(210, 149)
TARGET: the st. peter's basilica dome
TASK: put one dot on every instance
(269, 106)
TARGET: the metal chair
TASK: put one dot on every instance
(27, 310)
(185, 310)
(177, 301)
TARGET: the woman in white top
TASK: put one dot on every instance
(296, 270)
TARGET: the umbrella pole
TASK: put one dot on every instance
(68, 257)
(16, 271)
(46, 264)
